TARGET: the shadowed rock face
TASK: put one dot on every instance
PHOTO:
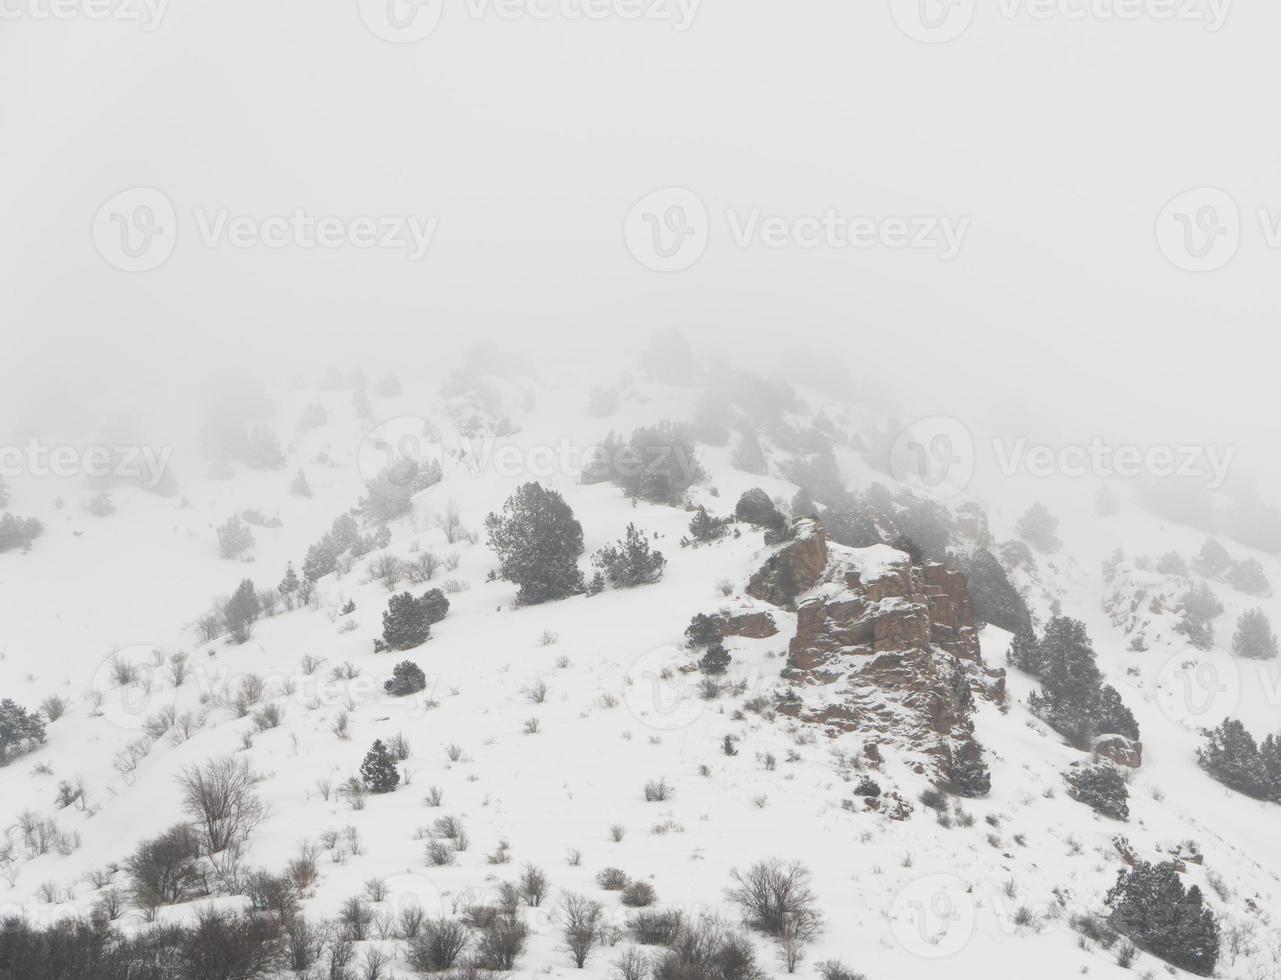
(795, 568)
(882, 647)
(751, 625)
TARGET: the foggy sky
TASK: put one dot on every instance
(1061, 141)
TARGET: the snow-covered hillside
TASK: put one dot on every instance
(541, 725)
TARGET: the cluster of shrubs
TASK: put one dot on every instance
(1102, 788)
(343, 536)
(394, 488)
(18, 532)
(657, 463)
(1073, 698)
(19, 728)
(1214, 562)
(407, 621)
(538, 542)
(1232, 756)
(1200, 607)
(225, 438)
(235, 615)
(1150, 905)
(702, 633)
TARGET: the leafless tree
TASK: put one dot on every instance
(221, 797)
(580, 921)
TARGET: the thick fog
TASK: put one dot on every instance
(1030, 160)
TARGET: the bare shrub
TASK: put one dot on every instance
(657, 792)
(776, 898)
(437, 945)
(580, 921)
(533, 885)
(502, 942)
(612, 879)
(221, 797)
(638, 894)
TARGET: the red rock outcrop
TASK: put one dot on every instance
(882, 647)
(795, 568)
(750, 626)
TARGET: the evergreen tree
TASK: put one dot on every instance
(18, 727)
(343, 532)
(1248, 577)
(538, 542)
(1200, 607)
(1025, 653)
(392, 491)
(234, 537)
(1102, 789)
(993, 598)
(1073, 699)
(289, 584)
(1231, 756)
(704, 527)
(1039, 528)
(803, 504)
(1149, 905)
(970, 778)
(715, 661)
(754, 507)
(379, 769)
(300, 487)
(322, 558)
(406, 622)
(436, 606)
(406, 678)
(1254, 638)
(241, 611)
(262, 451)
(1213, 560)
(702, 631)
(18, 532)
(630, 562)
(1172, 563)
(748, 455)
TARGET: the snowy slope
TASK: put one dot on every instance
(899, 897)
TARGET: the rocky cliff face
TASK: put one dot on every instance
(882, 648)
